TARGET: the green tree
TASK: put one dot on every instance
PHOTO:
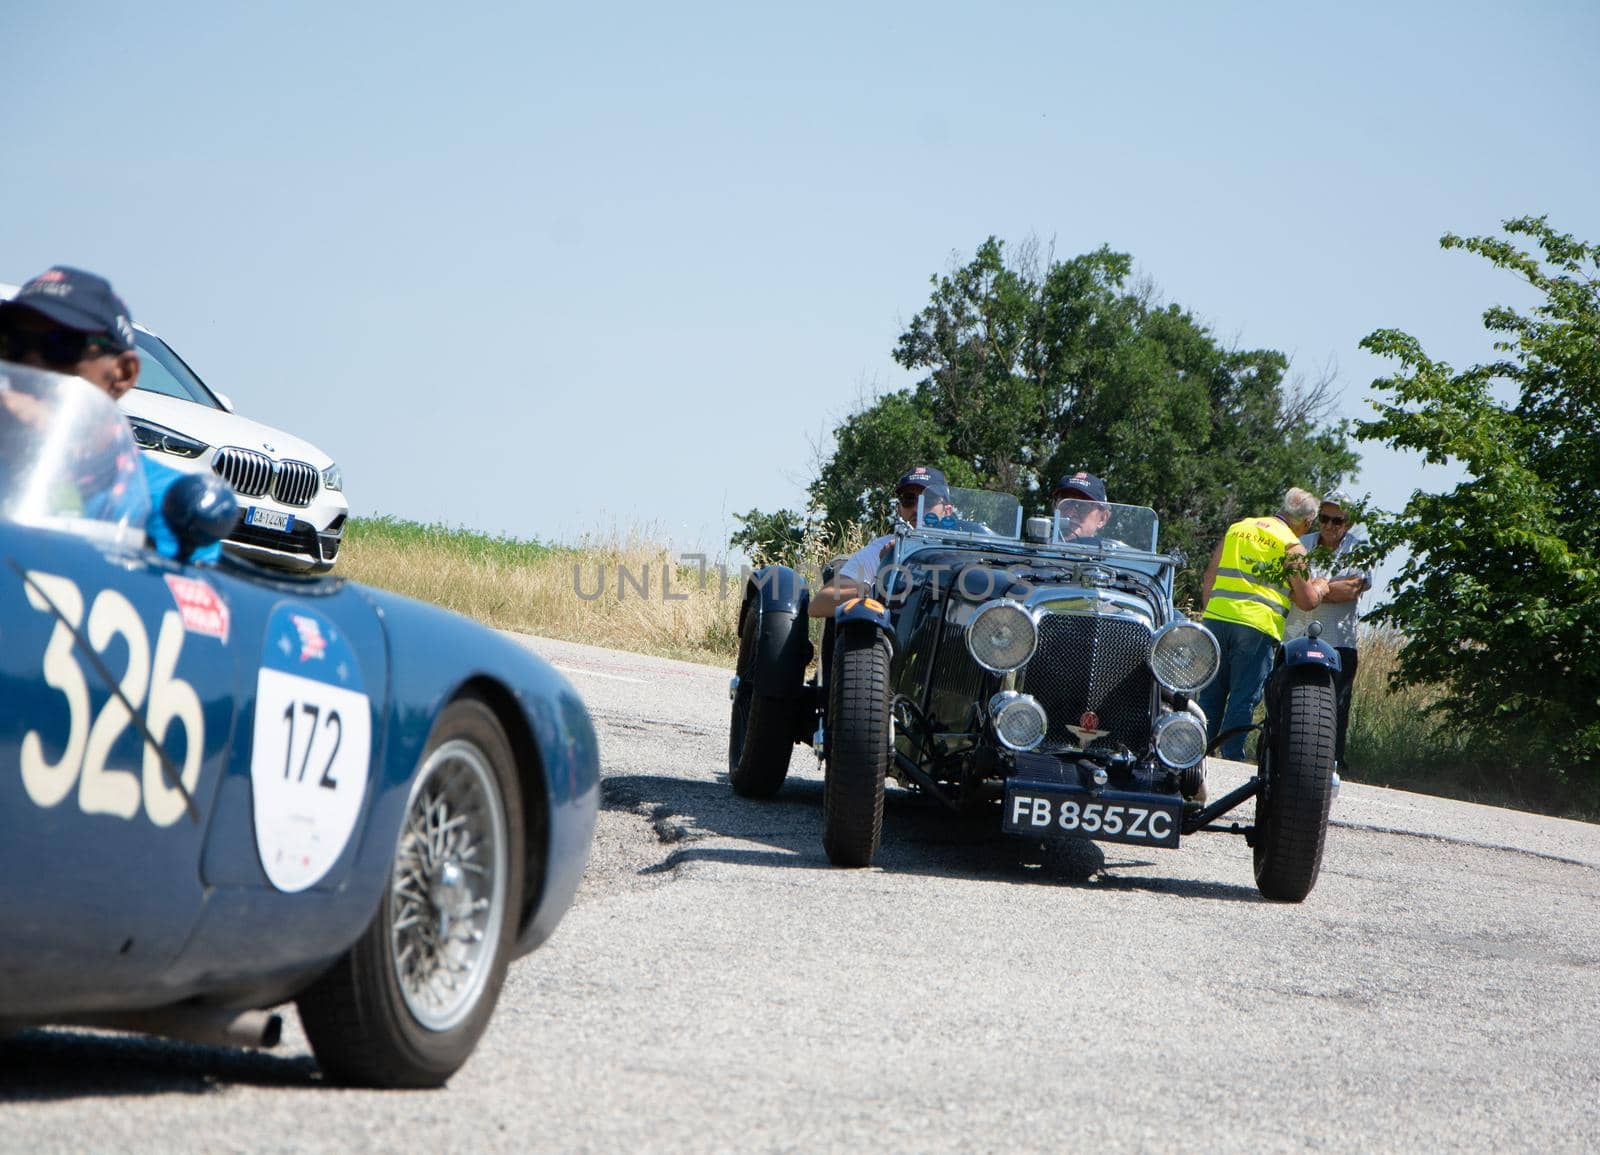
(1500, 599)
(1034, 367)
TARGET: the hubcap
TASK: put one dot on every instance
(447, 897)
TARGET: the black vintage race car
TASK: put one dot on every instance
(1045, 677)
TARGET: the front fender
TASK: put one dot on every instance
(782, 601)
(1307, 653)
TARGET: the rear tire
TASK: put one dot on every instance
(1297, 772)
(408, 1003)
(858, 747)
(761, 732)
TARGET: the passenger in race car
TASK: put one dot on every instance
(856, 573)
(71, 321)
(1080, 499)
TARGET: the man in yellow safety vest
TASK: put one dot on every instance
(1246, 604)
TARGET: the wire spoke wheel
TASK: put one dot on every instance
(447, 897)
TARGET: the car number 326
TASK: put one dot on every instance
(1081, 815)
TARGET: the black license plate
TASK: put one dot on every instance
(1050, 810)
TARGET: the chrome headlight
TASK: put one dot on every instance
(1001, 636)
(1019, 720)
(1180, 740)
(333, 479)
(149, 435)
(1184, 656)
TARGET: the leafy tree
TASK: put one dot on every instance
(1034, 367)
(1500, 600)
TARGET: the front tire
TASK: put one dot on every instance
(761, 731)
(1297, 790)
(858, 747)
(408, 1003)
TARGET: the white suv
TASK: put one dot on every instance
(291, 494)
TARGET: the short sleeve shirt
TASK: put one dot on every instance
(1339, 619)
(863, 565)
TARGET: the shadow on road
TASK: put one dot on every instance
(919, 837)
(46, 1065)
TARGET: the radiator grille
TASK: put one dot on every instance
(249, 472)
(1089, 662)
(296, 483)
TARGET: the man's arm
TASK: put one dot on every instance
(1209, 578)
(833, 595)
(1305, 593)
(1345, 589)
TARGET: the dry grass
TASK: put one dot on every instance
(625, 592)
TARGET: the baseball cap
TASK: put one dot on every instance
(926, 477)
(77, 300)
(1083, 484)
(1337, 497)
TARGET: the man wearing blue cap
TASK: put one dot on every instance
(1080, 499)
(70, 321)
(855, 574)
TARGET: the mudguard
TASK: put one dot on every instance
(1310, 652)
(783, 644)
(865, 611)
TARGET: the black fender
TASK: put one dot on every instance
(782, 600)
(1303, 654)
(864, 613)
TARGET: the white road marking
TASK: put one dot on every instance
(597, 674)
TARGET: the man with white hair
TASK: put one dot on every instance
(1338, 613)
(1246, 607)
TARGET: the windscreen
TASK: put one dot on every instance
(163, 371)
(977, 512)
(1079, 521)
(67, 457)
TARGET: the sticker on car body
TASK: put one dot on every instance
(202, 609)
(310, 755)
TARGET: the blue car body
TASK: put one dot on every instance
(118, 893)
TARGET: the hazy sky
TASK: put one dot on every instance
(551, 270)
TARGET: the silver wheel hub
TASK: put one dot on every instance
(447, 897)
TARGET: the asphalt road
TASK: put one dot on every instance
(719, 987)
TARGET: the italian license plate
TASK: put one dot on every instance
(269, 519)
(1050, 810)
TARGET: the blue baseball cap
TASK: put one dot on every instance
(77, 300)
(1082, 484)
(924, 477)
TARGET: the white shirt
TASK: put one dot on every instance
(863, 565)
(1338, 618)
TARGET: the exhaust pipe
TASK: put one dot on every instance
(208, 1026)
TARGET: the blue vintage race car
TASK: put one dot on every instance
(223, 788)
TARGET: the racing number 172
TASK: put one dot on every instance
(327, 781)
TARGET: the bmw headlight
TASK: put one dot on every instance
(333, 479)
(1019, 720)
(149, 435)
(1180, 740)
(1001, 636)
(1185, 656)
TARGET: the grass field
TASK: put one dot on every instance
(629, 593)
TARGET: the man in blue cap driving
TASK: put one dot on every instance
(70, 321)
(855, 574)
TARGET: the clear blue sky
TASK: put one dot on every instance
(551, 270)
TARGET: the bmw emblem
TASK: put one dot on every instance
(269, 448)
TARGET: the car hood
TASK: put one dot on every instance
(218, 427)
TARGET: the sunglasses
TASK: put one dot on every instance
(60, 348)
(1326, 520)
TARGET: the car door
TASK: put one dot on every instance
(119, 671)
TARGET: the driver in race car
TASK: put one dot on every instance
(70, 321)
(856, 574)
(1080, 499)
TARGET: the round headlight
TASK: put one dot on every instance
(1185, 656)
(1019, 720)
(1001, 636)
(1180, 740)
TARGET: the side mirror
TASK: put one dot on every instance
(1036, 529)
(224, 400)
(201, 510)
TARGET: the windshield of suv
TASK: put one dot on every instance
(970, 511)
(1079, 521)
(163, 371)
(67, 457)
